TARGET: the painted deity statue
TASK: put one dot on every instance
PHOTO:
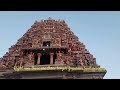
(81, 62)
(59, 58)
(35, 43)
(68, 60)
(31, 58)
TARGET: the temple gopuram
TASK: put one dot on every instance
(50, 43)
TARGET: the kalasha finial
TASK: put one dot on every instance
(35, 22)
(49, 18)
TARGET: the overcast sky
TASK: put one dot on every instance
(98, 30)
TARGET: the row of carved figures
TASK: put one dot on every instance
(61, 58)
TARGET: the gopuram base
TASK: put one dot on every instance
(53, 74)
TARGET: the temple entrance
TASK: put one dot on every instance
(45, 59)
(44, 56)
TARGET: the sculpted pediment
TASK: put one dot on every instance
(47, 36)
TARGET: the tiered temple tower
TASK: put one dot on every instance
(48, 42)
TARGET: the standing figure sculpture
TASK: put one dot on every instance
(31, 58)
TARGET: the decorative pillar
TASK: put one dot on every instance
(51, 58)
(21, 62)
(39, 56)
(33, 58)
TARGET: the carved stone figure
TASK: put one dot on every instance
(31, 58)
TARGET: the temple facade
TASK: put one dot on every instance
(50, 43)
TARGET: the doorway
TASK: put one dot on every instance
(45, 59)
(46, 43)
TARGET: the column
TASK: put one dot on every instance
(38, 61)
(51, 58)
(56, 60)
(21, 62)
(33, 57)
